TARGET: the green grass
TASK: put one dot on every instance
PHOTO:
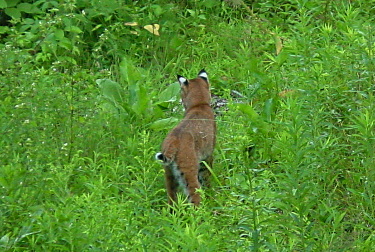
(86, 103)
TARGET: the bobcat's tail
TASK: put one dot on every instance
(160, 156)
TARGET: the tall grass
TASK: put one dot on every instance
(88, 94)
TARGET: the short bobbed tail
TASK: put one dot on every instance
(160, 156)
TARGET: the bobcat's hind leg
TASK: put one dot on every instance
(170, 183)
(204, 173)
(189, 173)
(192, 184)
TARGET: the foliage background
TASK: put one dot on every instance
(87, 95)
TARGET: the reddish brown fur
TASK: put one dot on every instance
(191, 141)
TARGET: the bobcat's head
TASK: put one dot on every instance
(196, 91)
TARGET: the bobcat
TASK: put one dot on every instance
(190, 142)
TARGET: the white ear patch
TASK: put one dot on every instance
(203, 75)
(182, 80)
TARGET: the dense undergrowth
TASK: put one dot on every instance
(88, 92)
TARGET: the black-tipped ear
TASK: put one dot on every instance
(182, 80)
(203, 75)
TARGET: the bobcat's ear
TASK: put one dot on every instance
(182, 80)
(203, 75)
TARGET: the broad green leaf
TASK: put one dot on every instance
(59, 34)
(4, 29)
(12, 3)
(67, 21)
(73, 28)
(28, 8)
(3, 182)
(162, 124)
(254, 119)
(5, 240)
(210, 3)
(13, 13)
(111, 90)
(268, 109)
(3, 4)
(129, 72)
(141, 102)
(133, 90)
(66, 43)
(67, 59)
(170, 93)
(248, 110)
(158, 10)
(175, 42)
